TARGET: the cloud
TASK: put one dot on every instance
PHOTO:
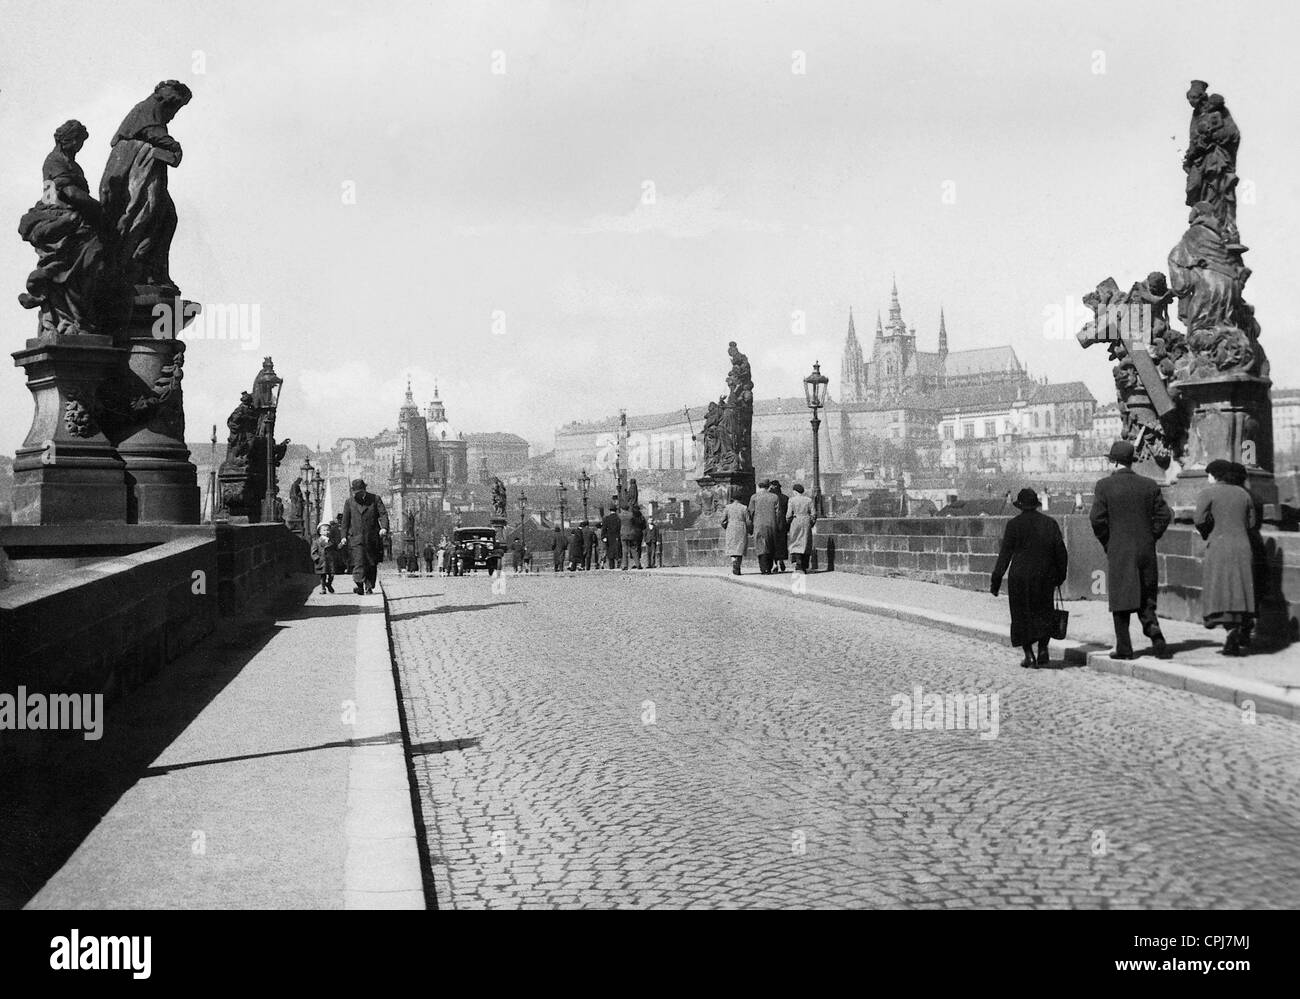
(607, 300)
(694, 216)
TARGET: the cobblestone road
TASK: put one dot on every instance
(623, 739)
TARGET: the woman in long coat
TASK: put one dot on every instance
(1034, 548)
(738, 524)
(800, 519)
(1225, 516)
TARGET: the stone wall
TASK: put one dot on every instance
(108, 626)
(962, 551)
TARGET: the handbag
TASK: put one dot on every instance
(1060, 617)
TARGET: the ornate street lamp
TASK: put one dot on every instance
(814, 388)
(318, 490)
(585, 483)
(266, 399)
(523, 544)
(304, 487)
(560, 490)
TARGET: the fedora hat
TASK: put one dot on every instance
(1026, 499)
(1122, 452)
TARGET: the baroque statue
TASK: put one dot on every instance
(69, 281)
(498, 498)
(139, 215)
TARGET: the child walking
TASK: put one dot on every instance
(322, 558)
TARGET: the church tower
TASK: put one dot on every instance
(852, 388)
(943, 335)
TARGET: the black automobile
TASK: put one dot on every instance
(477, 548)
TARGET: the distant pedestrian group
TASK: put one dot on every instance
(781, 526)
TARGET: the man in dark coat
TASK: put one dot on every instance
(588, 545)
(559, 545)
(429, 553)
(610, 528)
(365, 525)
(628, 534)
(575, 548)
(782, 528)
(1129, 514)
(651, 544)
(766, 507)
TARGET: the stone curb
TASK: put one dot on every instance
(1267, 698)
(382, 867)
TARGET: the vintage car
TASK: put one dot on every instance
(477, 548)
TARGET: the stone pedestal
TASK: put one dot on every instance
(715, 489)
(163, 480)
(67, 470)
(1229, 417)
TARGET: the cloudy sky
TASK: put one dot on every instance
(558, 209)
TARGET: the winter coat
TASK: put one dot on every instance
(800, 519)
(1129, 514)
(738, 524)
(1225, 515)
(1034, 549)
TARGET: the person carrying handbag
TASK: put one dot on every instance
(1034, 550)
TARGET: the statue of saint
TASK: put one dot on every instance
(1211, 157)
(63, 228)
(139, 214)
(242, 424)
(498, 497)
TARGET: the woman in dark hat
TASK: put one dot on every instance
(1225, 516)
(1034, 549)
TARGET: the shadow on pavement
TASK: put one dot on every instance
(446, 746)
(388, 738)
(56, 786)
(452, 609)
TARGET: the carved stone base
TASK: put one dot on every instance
(67, 470)
(163, 479)
(715, 491)
(1230, 417)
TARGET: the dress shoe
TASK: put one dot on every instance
(359, 591)
(330, 587)
(1027, 663)
(1044, 657)
(1116, 654)
(1160, 649)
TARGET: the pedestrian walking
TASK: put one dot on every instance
(800, 518)
(444, 557)
(429, 554)
(611, 527)
(365, 524)
(782, 552)
(575, 547)
(1129, 514)
(1034, 550)
(588, 546)
(322, 558)
(627, 531)
(1225, 516)
(517, 555)
(559, 545)
(766, 509)
(738, 524)
(652, 556)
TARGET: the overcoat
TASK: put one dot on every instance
(1034, 549)
(737, 523)
(575, 544)
(782, 526)
(362, 522)
(800, 518)
(1129, 514)
(322, 555)
(1225, 515)
(766, 510)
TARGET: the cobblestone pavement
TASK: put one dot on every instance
(634, 740)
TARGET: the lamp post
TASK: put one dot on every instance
(304, 487)
(585, 483)
(814, 388)
(560, 490)
(523, 544)
(318, 490)
(266, 399)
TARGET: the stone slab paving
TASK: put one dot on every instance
(286, 789)
(648, 740)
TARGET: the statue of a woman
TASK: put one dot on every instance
(139, 213)
(63, 227)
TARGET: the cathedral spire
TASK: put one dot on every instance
(880, 331)
(943, 333)
(896, 325)
(853, 334)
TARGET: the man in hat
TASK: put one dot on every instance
(365, 525)
(1129, 514)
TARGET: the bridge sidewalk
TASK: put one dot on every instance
(283, 781)
(1269, 679)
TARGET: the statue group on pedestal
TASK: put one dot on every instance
(726, 434)
(1207, 276)
(92, 255)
